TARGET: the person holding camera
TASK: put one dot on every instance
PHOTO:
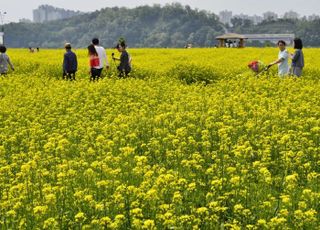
(124, 67)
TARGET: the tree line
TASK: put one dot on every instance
(172, 25)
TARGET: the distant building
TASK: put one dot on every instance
(256, 19)
(242, 16)
(288, 38)
(270, 16)
(227, 40)
(225, 17)
(313, 17)
(291, 15)
(25, 20)
(46, 13)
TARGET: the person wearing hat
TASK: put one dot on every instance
(70, 63)
(124, 67)
(4, 61)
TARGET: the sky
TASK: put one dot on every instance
(17, 9)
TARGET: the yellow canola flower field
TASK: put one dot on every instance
(192, 140)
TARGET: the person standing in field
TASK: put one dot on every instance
(297, 58)
(282, 61)
(124, 67)
(102, 56)
(94, 62)
(4, 61)
(70, 63)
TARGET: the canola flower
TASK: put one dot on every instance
(155, 152)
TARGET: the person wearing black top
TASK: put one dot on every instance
(124, 67)
(70, 63)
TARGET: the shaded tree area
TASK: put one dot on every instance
(172, 25)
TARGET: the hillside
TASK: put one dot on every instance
(172, 25)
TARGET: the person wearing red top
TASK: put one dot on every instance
(94, 63)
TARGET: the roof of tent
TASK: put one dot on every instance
(231, 36)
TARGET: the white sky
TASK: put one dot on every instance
(17, 9)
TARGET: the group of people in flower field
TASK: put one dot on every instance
(284, 69)
(98, 60)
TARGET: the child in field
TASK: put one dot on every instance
(95, 70)
(4, 61)
(124, 67)
(70, 63)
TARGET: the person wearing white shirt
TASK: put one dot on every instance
(102, 55)
(282, 61)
